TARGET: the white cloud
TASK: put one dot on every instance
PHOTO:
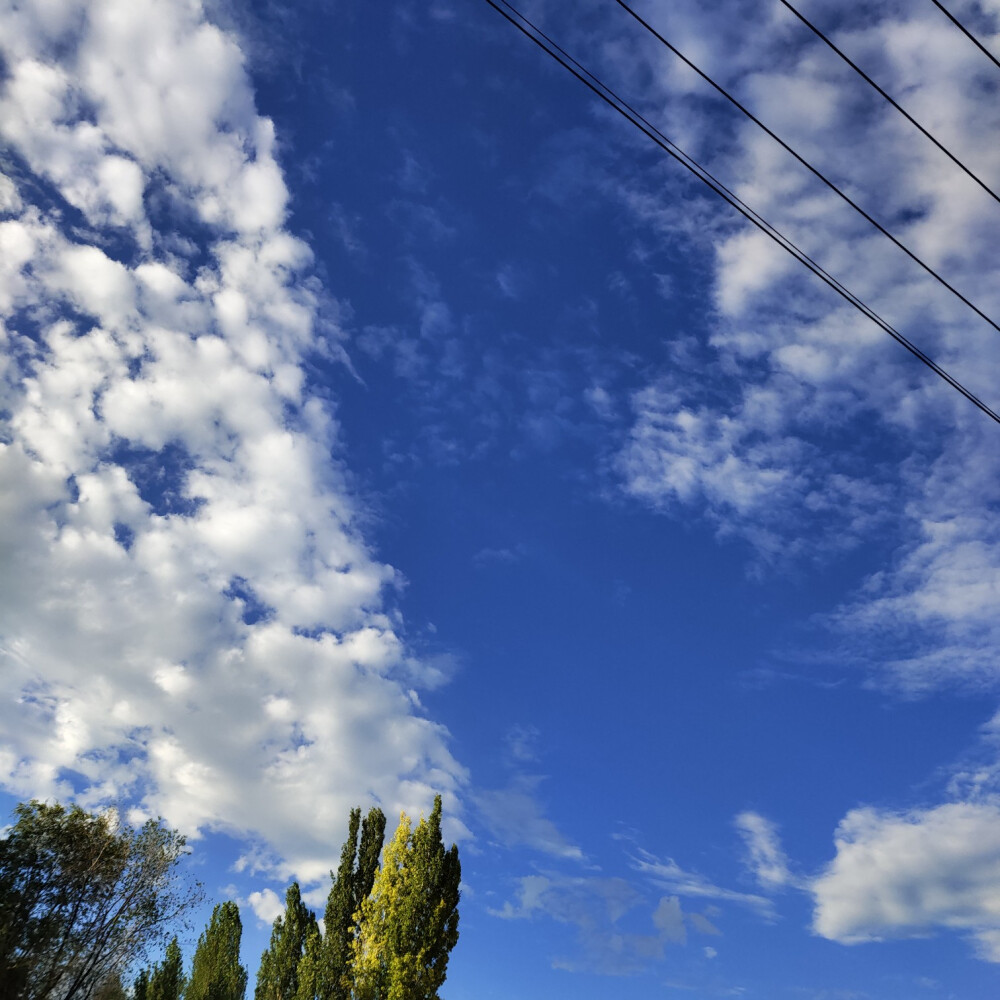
(911, 874)
(670, 876)
(751, 476)
(189, 614)
(765, 856)
(931, 616)
(267, 905)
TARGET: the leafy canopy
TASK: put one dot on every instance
(83, 896)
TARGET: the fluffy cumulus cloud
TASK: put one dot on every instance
(787, 419)
(190, 619)
(909, 874)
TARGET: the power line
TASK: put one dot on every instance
(813, 170)
(947, 152)
(968, 34)
(552, 49)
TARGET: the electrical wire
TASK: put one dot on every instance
(968, 34)
(857, 69)
(552, 49)
(813, 170)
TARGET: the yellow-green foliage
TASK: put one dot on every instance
(408, 924)
(395, 941)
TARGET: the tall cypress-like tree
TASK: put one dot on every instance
(311, 968)
(166, 981)
(369, 851)
(409, 921)
(110, 988)
(278, 975)
(329, 969)
(338, 920)
(216, 973)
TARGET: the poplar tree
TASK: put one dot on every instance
(409, 921)
(277, 977)
(216, 972)
(110, 988)
(311, 970)
(167, 979)
(329, 968)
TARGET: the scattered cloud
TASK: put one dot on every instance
(670, 876)
(267, 905)
(796, 426)
(515, 817)
(764, 855)
(596, 907)
(522, 744)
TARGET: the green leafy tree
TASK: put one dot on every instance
(277, 977)
(110, 988)
(328, 971)
(216, 973)
(311, 966)
(82, 896)
(409, 921)
(140, 985)
(166, 981)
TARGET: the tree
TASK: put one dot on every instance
(326, 971)
(166, 981)
(82, 896)
(409, 921)
(277, 977)
(110, 988)
(311, 967)
(216, 973)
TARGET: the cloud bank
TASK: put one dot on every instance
(190, 617)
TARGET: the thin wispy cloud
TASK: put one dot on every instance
(595, 907)
(765, 856)
(668, 875)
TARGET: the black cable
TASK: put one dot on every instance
(968, 34)
(536, 35)
(813, 170)
(857, 69)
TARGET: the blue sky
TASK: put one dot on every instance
(384, 418)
